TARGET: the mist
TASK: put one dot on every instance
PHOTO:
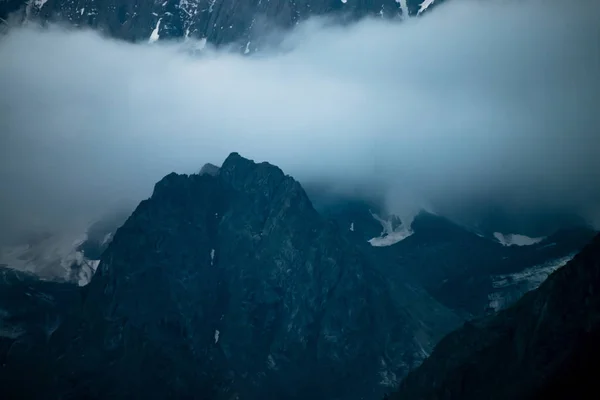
(476, 103)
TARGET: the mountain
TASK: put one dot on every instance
(229, 284)
(469, 273)
(242, 24)
(237, 283)
(544, 346)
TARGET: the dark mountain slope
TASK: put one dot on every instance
(231, 284)
(30, 312)
(545, 346)
(471, 274)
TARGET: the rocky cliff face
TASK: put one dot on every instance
(230, 284)
(545, 346)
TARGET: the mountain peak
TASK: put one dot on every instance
(209, 169)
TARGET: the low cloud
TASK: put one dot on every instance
(475, 104)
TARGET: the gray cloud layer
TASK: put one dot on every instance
(476, 102)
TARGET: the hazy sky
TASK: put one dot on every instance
(477, 102)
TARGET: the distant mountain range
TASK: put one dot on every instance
(241, 24)
(236, 283)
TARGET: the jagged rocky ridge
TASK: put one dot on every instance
(219, 22)
(228, 284)
(546, 346)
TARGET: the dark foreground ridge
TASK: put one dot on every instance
(546, 346)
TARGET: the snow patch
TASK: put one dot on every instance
(217, 333)
(404, 8)
(81, 11)
(516, 240)
(247, 49)
(154, 36)
(390, 236)
(40, 3)
(344, 1)
(352, 227)
(212, 256)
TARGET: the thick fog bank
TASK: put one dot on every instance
(476, 104)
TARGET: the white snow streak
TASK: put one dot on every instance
(217, 333)
(352, 227)
(154, 36)
(212, 256)
(107, 238)
(424, 6)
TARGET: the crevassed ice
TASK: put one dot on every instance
(511, 286)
